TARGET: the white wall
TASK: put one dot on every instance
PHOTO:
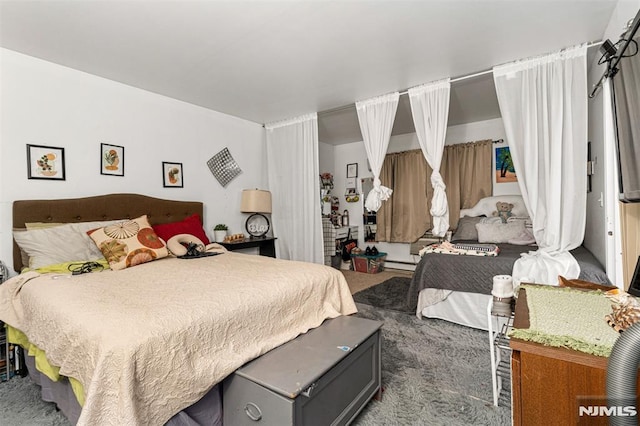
(355, 153)
(596, 232)
(325, 158)
(46, 104)
(595, 228)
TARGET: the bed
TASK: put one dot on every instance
(148, 344)
(458, 288)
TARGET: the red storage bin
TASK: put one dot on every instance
(369, 264)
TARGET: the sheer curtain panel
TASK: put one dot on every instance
(543, 102)
(293, 171)
(430, 111)
(376, 118)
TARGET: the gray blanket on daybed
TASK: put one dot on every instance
(474, 274)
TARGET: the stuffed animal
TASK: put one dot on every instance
(504, 211)
(487, 205)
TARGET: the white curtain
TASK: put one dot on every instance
(376, 118)
(543, 102)
(430, 111)
(294, 182)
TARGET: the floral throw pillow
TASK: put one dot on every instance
(129, 243)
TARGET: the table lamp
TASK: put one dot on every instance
(257, 202)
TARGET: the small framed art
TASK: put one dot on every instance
(504, 166)
(172, 175)
(45, 162)
(352, 170)
(111, 160)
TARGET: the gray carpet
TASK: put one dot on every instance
(433, 373)
(390, 294)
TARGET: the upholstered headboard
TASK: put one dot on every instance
(102, 207)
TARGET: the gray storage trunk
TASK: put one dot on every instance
(323, 377)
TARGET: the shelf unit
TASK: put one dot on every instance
(499, 327)
(6, 357)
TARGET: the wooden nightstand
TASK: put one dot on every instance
(549, 383)
(266, 246)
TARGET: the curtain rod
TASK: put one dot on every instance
(612, 67)
(453, 80)
(461, 143)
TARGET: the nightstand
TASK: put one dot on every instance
(266, 245)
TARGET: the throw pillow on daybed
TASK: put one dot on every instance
(499, 232)
(129, 243)
(466, 229)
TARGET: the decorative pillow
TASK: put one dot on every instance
(499, 232)
(176, 243)
(129, 243)
(491, 219)
(190, 225)
(524, 239)
(41, 225)
(486, 206)
(59, 244)
(528, 223)
(466, 229)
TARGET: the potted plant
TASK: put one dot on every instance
(220, 232)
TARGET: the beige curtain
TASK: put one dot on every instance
(405, 217)
(466, 170)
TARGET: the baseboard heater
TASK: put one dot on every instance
(401, 262)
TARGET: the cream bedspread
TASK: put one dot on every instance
(148, 341)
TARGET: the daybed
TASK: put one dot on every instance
(457, 288)
(144, 344)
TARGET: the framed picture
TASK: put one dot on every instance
(45, 162)
(352, 170)
(505, 171)
(172, 175)
(111, 160)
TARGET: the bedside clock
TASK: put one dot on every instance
(257, 225)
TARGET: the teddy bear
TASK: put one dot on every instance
(504, 211)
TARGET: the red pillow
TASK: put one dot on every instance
(191, 225)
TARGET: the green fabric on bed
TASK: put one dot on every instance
(569, 318)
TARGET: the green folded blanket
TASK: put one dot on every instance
(568, 318)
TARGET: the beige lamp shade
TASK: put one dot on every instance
(255, 201)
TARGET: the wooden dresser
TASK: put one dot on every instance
(548, 384)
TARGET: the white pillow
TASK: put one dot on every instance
(499, 232)
(60, 244)
(487, 205)
(525, 238)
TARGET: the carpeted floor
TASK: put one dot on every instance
(391, 294)
(433, 372)
(359, 281)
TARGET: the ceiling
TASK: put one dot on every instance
(270, 60)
